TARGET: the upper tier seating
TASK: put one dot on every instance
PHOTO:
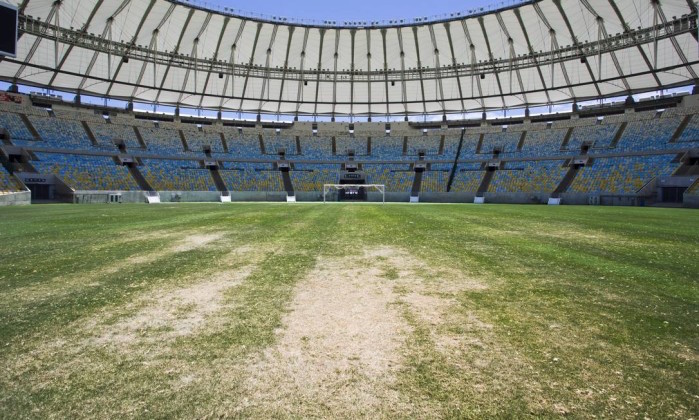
(622, 175)
(162, 141)
(319, 148)
(691, 132)
(430, 144)
(198, 140)
(107, 133)
(345, 143)
(177, 175)
(651, 134)
(276, 142)
(506, 142)
(468, 149)
(61, 134)
(600, 136)
(90, 173)
(388, 148)
(528, 176)
(15, 126)
(245, 146)
(545, 142)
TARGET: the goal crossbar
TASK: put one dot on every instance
(378, 187)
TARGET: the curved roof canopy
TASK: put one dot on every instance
(538, 53)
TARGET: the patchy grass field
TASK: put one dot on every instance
(264, 310)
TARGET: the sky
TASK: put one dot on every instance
(365, 10)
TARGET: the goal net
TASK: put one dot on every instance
(329, 188)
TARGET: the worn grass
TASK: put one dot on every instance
(195, 311)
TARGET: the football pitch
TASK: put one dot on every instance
(342, 310)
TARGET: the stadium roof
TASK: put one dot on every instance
(535, 53)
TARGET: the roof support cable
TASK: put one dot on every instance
(438, 72)
(385, 70)
(110, 22)
(454, 63)
(655, 34)
(285, 68)
(336, 56)
(368, 59)
(231, 65)
(56, 33)
(600, 36)
(673, 40)
(154, 47)
(268, 60)
(299, 92)
(319, 66)
(404, 96)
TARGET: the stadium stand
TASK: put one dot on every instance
(388, 148)
(467, 178)
(312, 177)
(622, 175)
(177, 175)
(345, 143)
(435, 181)
(319, 148)
(598, 136)
(7, 183)
(107, 133)
(396, 177)
(252, 177)
(543, 142)
(15, 126)
(506, 142)
(61, 133)
(199, 140)
(246, 146)
(430, 144)
(528, 176)
(275, 142)
(91, 173)
(162, 141)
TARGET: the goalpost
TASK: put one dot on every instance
(378, 187)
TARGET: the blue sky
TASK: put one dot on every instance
(353, 9)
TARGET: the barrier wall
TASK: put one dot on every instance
(16, 199)
(101, 197)
(691, 201)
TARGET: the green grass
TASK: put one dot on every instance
(544, 312)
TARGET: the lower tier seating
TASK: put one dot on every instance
(89, 173)
(622, 175)
(435, 181)
(528, 176)
(313, 178)
(8, 183)
(177, 175)
(396, 177)
(468, 178)
(252, 177)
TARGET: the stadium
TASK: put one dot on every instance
(211, 213)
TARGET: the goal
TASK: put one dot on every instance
(338, 187)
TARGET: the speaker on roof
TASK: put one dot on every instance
(125, 60)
